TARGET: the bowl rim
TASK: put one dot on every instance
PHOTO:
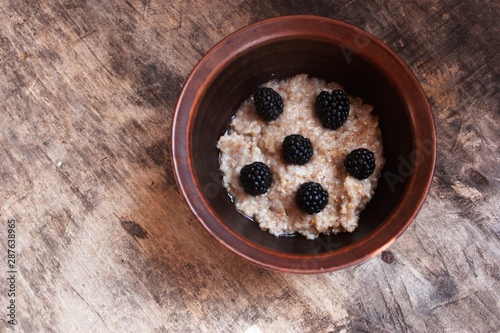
(219, 57)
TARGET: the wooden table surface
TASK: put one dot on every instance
(104, 242)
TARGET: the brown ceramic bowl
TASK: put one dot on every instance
(327, 49)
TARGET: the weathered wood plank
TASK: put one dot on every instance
(106, 243)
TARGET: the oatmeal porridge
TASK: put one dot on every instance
(252, 139)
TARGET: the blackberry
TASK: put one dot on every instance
(297, 149)
(360, 163)
(332, 109)
(268, 103)
(311, 197)
(256, 178)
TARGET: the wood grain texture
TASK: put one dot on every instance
(106, 243)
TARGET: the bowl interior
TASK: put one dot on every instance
(278, 59)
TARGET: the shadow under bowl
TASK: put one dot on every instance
(333, 51)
